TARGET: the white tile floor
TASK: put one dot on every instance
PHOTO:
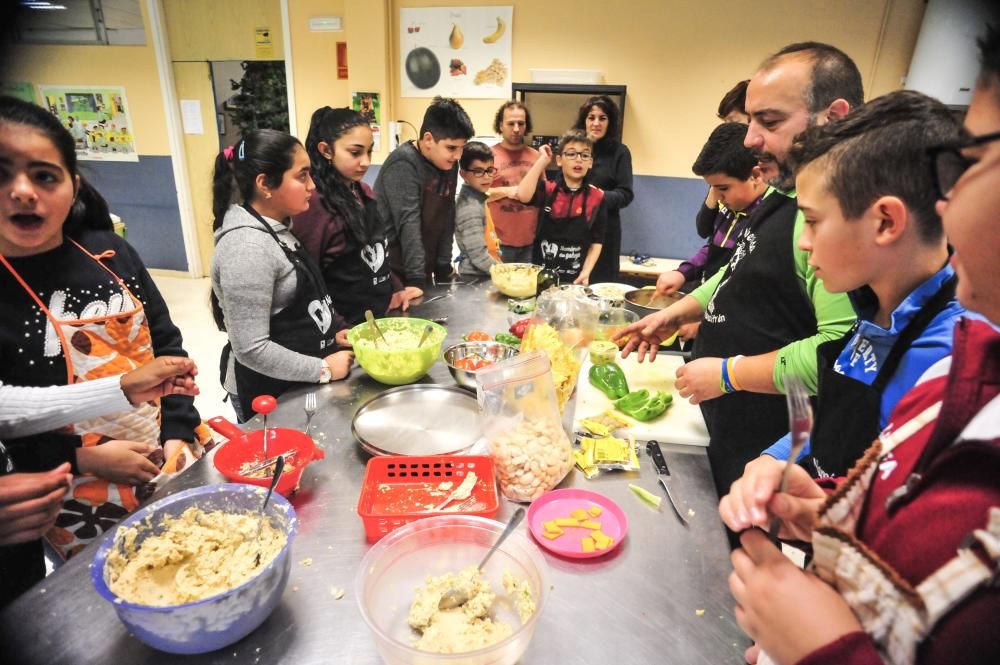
(187, 300)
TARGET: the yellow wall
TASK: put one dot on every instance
(221, 29)
(98, 66)
(678, 58)
(314, 60)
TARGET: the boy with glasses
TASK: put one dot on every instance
(474, 231)
(572, 218)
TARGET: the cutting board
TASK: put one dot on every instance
(682, 423)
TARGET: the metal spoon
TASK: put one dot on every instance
(279, 466)
(370, 318)
(428, 329)
(456, 597)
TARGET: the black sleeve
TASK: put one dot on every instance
(179, 417)
(619, 196)
(43, 452)
(705, 221)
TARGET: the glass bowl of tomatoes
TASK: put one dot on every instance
(466, 358)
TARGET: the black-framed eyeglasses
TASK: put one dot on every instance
(948, 163)
(583, 156)
(479, 173)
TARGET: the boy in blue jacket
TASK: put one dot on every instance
(865, 186)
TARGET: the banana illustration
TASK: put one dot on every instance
(457, 38)
(501, 28)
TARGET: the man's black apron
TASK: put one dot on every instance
(561, 244)
(848, 412)
(359, 279)
(305, 326)
(760, 305)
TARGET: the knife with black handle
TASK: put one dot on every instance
(654, 452)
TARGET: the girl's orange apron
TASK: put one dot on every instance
(105, 343)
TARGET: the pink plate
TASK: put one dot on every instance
(560, 503)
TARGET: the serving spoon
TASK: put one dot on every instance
(370, 318)
(279, 466)
(457, 597)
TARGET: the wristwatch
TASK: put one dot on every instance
(325, 374)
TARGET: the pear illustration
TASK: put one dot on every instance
(456, 39)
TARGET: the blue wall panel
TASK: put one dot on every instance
(144, 195)
(660, 220)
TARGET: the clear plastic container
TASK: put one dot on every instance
(399, 563)
(523, 429)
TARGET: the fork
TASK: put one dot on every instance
(310, 409)
(800, 419)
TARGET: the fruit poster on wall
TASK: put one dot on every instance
(461, 52)
(97, 117)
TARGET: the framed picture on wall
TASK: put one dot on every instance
(462, 52)
(97, 117)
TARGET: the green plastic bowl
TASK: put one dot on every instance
(394, 365)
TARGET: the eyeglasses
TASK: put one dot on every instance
(948, 163)
(582, 156)
(479, 173)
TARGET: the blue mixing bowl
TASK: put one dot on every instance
(217, 621)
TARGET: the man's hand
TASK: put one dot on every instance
(122, 462)
(30, 503)
(166, 375)
(644, 336)
(669, 282)
(583, 279)
(790, 613)
(753, 499)
(700, 380)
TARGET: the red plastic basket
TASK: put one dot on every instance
(398, 489)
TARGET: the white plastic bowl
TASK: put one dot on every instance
(396, 566)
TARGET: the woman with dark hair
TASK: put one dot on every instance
(612, 172)
(267, 292)
(342, 229)
(77, 305)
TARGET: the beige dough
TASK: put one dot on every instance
(468, 627)
(197, 555)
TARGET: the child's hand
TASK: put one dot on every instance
(668, 282)
(166, 375)
(340, 364)
(545, 154)
(122, 462)
(497, 193)
(753, 500)
(341, 337)
(771, 592)
(30, 503)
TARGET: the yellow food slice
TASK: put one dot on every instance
(595, 511)
(579, 514)
(566, 521)
(590, 524)
(587, 544)
(551, 535)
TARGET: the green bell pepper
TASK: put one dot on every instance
(642, 406)
(609, 379)
(632, 400)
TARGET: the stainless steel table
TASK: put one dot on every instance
(661, 597)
